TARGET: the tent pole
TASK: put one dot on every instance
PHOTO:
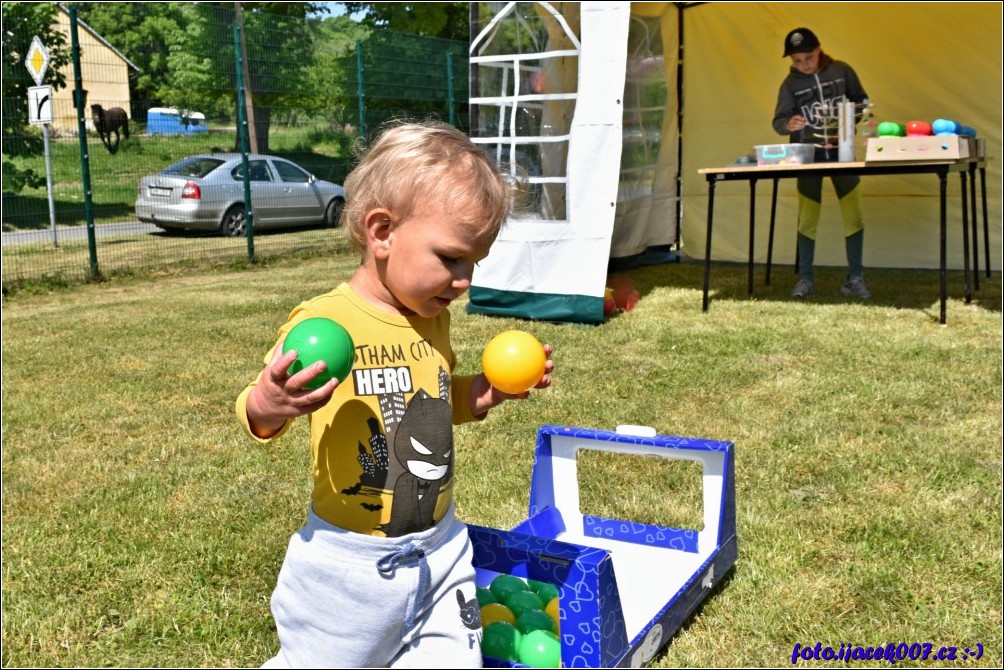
(679, 120)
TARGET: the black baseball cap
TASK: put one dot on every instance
(800, 41)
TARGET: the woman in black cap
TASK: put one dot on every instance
(808, 101)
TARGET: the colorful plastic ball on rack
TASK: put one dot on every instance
(918, 128)
(891, 129)
(944, 126)
(320, 339)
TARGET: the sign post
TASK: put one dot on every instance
(40, 114)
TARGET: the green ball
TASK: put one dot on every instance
(523, 601)
(532, 620)
(504, 586)
(501, 640)
(540, 649)
(547, 592)
(320, 339)
(485, 596)
(891, 129)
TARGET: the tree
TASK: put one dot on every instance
(146, 35)
(22, 21)
(279, 54)
(201, 65)
(329, 77)
(185, 53)
(448, 20)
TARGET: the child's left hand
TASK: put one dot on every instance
(484, 396)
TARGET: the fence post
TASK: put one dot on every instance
(360, 91)
(242, 130)
(450, 99)
(248, 104)
(85, 165)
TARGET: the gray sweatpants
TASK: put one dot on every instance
(349, 600)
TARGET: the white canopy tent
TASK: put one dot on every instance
(582, 102)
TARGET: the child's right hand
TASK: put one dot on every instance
(484, 396)
(796, 123)
(279, 396)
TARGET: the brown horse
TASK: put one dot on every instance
(108, 121)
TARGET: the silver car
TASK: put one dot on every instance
(206, 192)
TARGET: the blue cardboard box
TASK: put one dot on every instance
(625, 587)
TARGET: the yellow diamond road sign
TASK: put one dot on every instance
(37, 60)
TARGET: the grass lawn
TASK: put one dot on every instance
(142, 528)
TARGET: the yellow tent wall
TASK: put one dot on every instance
(917, 61)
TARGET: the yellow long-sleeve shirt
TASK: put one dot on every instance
(382, 448)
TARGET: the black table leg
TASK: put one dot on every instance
(770, 235)
(965, 236)
(943, 178)
(749, 271)
(976, 237)
(707, 245)
(986, 223)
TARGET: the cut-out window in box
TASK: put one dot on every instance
(658, 491)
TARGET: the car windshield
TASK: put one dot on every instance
(198, 166)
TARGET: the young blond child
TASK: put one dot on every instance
(381, 574)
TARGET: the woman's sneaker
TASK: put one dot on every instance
(803, 289)
(855, 287)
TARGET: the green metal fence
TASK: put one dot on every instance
(279, 85)
(409, 75)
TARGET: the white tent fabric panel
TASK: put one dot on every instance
(647, 200)
(569, 256)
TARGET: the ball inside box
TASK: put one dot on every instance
(784, 154)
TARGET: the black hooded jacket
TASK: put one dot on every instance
(817, 97)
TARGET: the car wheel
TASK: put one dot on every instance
(234, 224)
(333, 215)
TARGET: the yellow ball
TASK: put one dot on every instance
(552, 611)
(493, 612)
(514, 361)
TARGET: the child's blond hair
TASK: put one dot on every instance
(428, 159)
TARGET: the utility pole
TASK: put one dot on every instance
(248, 104)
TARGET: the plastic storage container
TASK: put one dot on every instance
(784, 154)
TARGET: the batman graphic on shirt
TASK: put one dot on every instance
(423, 450)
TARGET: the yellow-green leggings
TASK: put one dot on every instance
(810, 196)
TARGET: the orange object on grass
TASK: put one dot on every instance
(625, 295)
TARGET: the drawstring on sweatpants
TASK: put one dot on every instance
(407, 553)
